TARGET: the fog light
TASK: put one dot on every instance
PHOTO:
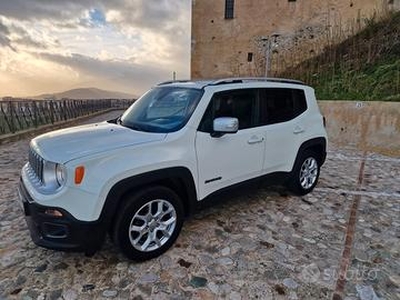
(54, 213)
(54, 231)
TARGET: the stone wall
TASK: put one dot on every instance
(371, 126)
(220, 47)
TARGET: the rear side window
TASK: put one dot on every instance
(279, 105)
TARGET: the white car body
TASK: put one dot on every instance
(111, 153)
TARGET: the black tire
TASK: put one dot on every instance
(295, 184)
(134, 206)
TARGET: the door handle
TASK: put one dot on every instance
(298, 129)
(255, 140)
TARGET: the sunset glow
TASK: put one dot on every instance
(124, 46)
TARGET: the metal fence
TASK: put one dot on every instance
(24, 114)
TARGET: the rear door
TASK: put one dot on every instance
(282, 113)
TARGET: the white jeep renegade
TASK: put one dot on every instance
(137, 177)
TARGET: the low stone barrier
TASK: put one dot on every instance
(371, 126)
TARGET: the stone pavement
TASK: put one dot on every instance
(261, 245)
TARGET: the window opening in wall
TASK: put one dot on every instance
(250, 56)
(229, 8)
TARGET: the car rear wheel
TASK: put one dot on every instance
(149, 223)
(305, 173)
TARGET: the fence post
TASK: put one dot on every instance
(35, 118)
(64, 103)
(51, 112)
(12, 121)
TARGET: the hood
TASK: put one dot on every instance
(76, 142)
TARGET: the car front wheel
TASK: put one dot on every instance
(149, 223)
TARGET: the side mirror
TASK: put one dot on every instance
(117, 120)
(224, 125)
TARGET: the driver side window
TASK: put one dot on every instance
(238, 104)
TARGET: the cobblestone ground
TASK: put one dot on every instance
(264, 244)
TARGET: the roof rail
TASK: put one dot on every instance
(173, 81)
(247, 79)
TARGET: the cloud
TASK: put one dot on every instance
(128, 75)
(23, 74)
(168, 18)
(125, 44)
(30, 42)
(21, 35)
(154, 14)
(37, 10)
(4, 32)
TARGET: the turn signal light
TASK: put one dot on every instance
(79, 173)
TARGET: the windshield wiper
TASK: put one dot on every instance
(133, 126)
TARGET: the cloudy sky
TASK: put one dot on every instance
(121, 45)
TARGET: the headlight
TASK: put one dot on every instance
(61, 174)
(54, 175)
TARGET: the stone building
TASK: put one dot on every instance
(248, 37)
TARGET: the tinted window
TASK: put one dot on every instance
(238, 104)
(280, 105)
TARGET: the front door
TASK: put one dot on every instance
(232, 158)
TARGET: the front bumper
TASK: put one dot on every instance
(60, 233)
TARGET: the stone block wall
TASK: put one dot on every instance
(221, 47)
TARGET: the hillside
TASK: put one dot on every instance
(363, 67)
(86, 93)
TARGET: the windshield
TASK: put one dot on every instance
(162, 109)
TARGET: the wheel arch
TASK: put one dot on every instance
(317, 145)
(178, 179)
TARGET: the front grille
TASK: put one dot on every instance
(36, 162)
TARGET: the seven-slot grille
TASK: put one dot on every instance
(36, 163)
